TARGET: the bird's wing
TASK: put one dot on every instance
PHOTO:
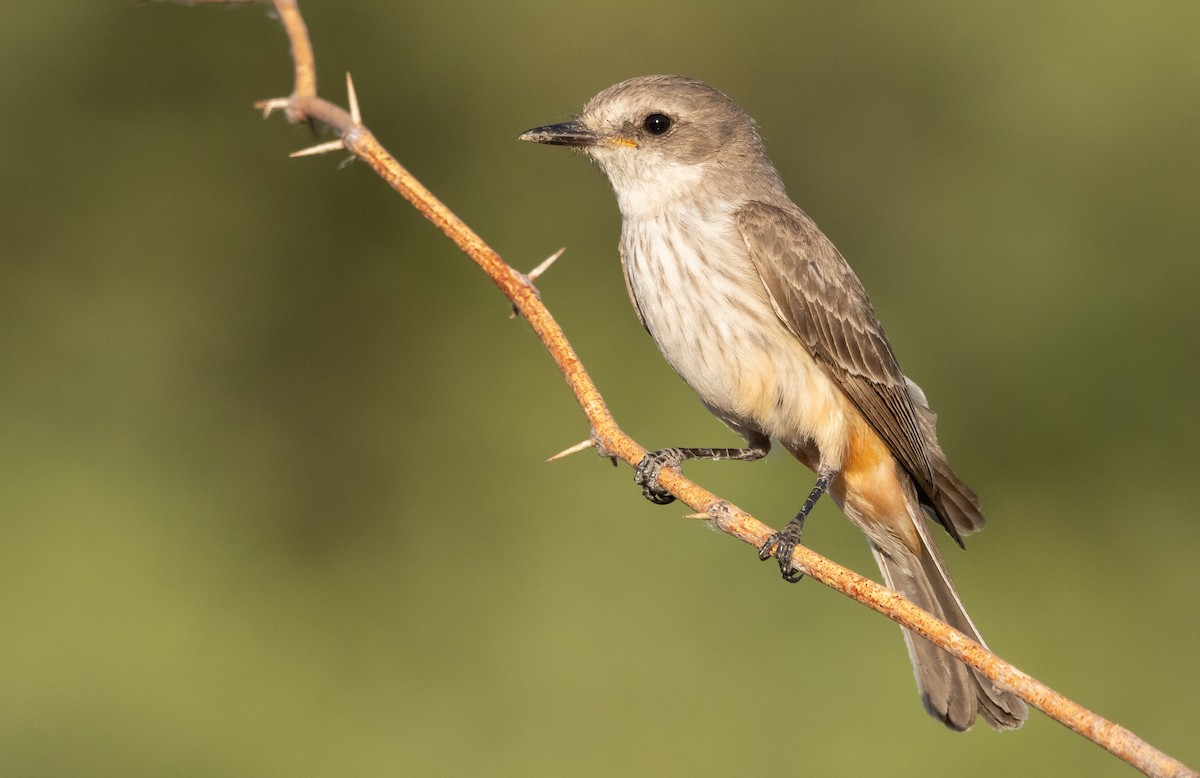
(823, 303)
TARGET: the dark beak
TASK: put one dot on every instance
(565, 134)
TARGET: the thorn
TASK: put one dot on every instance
(320, 148)
(546, 263)
(702, 515)
(529, 278)
(274, 104)
(355, 114)
(573, 450)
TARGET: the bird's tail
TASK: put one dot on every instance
(951, 691)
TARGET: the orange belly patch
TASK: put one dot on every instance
(870, 487)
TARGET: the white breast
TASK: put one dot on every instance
(706, 307)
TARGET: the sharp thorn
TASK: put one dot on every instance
(320, 148)
(573, 450)
(546, 263)
(702, 515)
(352, 97)
(528, 278)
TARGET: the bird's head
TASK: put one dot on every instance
(659, 138)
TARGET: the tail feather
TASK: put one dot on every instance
(950, 690)
(954, 506)
(955, 501)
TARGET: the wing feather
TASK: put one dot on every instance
(823, 303)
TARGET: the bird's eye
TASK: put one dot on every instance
(657, 123)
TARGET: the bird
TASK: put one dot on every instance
(759, 313)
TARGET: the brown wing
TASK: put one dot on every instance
(823, 303)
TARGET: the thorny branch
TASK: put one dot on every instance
(303, 105)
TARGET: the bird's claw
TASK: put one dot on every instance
(648, 471)
(783, 544)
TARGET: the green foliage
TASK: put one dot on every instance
(272, 499)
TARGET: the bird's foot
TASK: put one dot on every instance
(783, 543)
(648, 470)
(655, 462)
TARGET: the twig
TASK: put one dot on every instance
(305, 106)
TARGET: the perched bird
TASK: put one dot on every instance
(758, 312)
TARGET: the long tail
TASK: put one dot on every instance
(951, 691)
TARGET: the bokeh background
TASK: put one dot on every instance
(272, 491)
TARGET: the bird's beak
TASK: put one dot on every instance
(566, 134)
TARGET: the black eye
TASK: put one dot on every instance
(657, 123)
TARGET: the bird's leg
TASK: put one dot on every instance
(655, 462)
(785, 541)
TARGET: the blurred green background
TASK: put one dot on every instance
(272, 491)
